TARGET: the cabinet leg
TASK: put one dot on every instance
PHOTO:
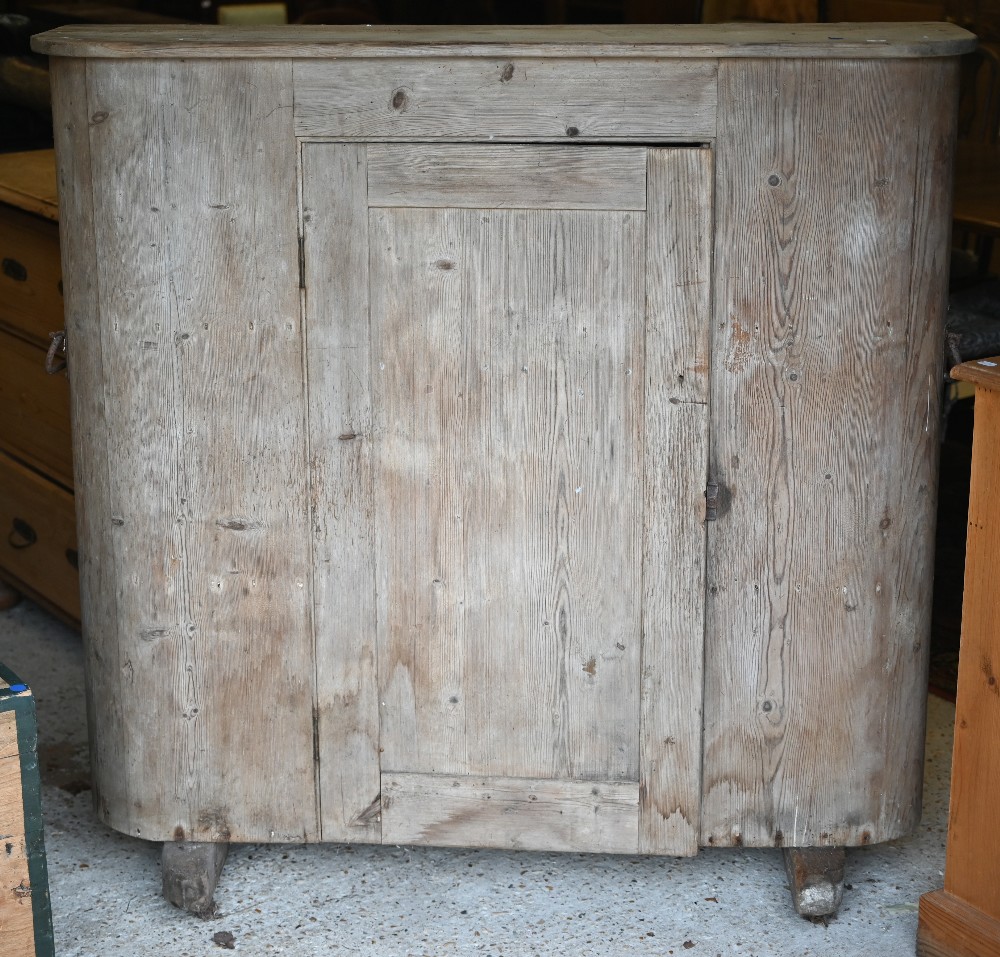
(191, 872)
(816, 879)
(9, 596)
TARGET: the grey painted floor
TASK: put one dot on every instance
(396, 902)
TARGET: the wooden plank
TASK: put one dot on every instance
(204, 400)
(972, 867)
(508, 379)
(504, 100)
(829, 297)
(16, 919)
(335, 220)
(864, 41)
(526, 177)
(44, 555)
(678, 267)
(501, 812)
(31, 301)
(99, 594)
(950, 927)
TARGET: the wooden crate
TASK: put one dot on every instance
(25, 914)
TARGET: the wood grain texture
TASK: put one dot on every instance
(972, 867)
(508, 381)
(984, 372)
(950, 927)
(505, 99)
(17, 929)
(102, 636)
(678, 300)
(528, 177)
(864, 41)
(44, 566)
(207, 517)
(830, 296)
(34, 410)
(335, 220)
(510, 813)
(28, 182)
(33, 306)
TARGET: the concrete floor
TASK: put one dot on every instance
(412, 902)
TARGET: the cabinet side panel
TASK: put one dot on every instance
(103, 660)
(678, 250)
(335, 221)
(829, 270)
(195, 213)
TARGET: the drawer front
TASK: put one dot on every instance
(38, 535)
(521, 100)
(34, 410)
(30, 296)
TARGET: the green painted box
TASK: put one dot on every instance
(25, 911)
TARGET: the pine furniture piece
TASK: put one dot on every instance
(25, 909)
(963, 919)
(38, 553)
(508, 437)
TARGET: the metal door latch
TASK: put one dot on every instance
(55, 358)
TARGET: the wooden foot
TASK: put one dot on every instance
(191, 872)
(816, 879)
(9, 596)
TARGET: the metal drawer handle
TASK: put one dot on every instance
(55, 358)
(14, 270)
(22, 535)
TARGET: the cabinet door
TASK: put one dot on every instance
(507, 433)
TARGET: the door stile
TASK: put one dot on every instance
(678, 298)
(335, 270)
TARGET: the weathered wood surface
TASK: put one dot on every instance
(91, 466)
(951, 927)
(816, 879)
(508, 378)
(526, 177)
(505, 99)
(972, 866)
(828, 307)
(539, 814)
(678, 300)
(190, 873)
(337, 340)
(16, 919)
(450, 525)
(843, 40)
(204, 703)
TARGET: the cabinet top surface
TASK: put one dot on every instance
(817, 40)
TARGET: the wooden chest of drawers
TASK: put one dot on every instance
(507, 437)
(37, 528)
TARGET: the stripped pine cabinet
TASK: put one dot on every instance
(484, 437)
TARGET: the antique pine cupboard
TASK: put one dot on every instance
(511, 437)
